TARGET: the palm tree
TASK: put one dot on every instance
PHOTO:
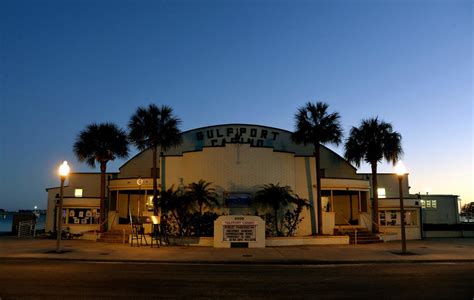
(274, 197)
(372, 142)
(202, 194)
(314, 125)
(101, 143)
(178, 204)
(153, 127)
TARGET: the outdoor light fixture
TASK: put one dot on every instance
(401, 170)
(63, 173)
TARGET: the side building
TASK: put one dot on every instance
(389, 207)
(441, 218)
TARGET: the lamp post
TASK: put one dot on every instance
(400, 169)
(63, 173)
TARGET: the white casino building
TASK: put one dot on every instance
(239, 159)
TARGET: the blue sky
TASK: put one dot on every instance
(65, 64)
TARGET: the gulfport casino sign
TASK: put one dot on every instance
(254, 135)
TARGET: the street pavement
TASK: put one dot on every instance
(428, 250)
(61, 279)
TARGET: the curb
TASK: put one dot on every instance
(236, 262)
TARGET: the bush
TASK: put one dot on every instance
(192, 224)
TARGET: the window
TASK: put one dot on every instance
(381, 192)
(78, 193)
(149, 203)
(382, 218)
(429, 204)
(80, 216)
(393, 217)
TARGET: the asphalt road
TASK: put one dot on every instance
(69, 279)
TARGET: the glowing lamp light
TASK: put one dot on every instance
(400, 168)
(63, 172)
(64, 169)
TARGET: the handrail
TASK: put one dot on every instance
(353, 228)
(103, 222)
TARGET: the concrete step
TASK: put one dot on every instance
(115, 235)
(363, 236)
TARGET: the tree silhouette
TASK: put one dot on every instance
(315, 126)
(101, 143)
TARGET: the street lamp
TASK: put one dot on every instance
(63, 173)
(401, 170)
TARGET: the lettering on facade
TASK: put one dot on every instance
(216, 137)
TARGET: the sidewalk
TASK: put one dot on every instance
(431, 250)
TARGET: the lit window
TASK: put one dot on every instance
(78, 193)
(431, 204)
(381, 192)
(149, 203)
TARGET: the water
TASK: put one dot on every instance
(6, 220)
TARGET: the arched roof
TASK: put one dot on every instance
(255, 135)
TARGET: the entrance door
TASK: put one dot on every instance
(346, 207)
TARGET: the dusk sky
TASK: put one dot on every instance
(65, 64)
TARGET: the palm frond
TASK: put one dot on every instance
(373, 141)
(154, 126)
(314, 125)
(101, 143)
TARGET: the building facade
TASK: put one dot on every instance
(238, 159)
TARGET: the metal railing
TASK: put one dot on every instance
(26, 229)
(354, 228)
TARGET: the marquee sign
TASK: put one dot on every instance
(239, 230)
(230, 231)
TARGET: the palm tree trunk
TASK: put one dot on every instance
(276, 222)
(199, 220)
(318, 188)
(103, 168)
(155, 186)
(375, 213)
(162, 169)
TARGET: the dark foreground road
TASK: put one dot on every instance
(62, 279)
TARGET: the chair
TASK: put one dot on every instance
(138, 235)
(156, 235)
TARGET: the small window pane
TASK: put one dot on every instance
(381, 192)
(149, 203)
(382, 218)
(78, 193)
(433, 204)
